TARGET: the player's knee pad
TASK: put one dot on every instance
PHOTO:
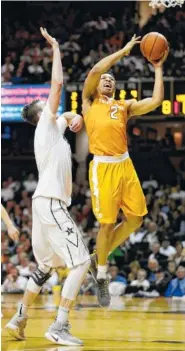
(40, 277)
(33, 287)
(74, 280)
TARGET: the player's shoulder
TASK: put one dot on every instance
(124, 103)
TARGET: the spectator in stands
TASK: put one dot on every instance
(153, 267)
(6, 78)
(155, 248)
(16, 257)
(161, 282)
(179, 256)
(88, 286)
(150, 183)
(6, 192)
(70, 45)
(172, 268)
(118, 283)
(166, 249)
(35, 71)
(152, 233)
(177, 193)
(180, 223)
(8, 66)
(23, 267)
(141, 283)
(137, 236)
(177, 286)
(30, 184)
(5, 262)
(26, 57)
(134, 268)
(14, 283)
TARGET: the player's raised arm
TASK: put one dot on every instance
(104, 65)
(12, 230)
(149, 104)
(57, 73)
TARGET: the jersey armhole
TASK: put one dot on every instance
(86, 105)
(128, 104)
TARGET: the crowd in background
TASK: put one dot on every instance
(150, 263)
(84, 39)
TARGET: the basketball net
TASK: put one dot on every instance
(166, 3)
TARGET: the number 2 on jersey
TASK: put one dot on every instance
(113, 111)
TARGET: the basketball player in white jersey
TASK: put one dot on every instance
(55, 237)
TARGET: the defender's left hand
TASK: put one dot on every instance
(76, 124)
(13, 233)
(52, 41)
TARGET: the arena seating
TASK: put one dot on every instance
(84, 39)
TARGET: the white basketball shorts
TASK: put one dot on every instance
(55, 237)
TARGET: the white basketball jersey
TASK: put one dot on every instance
(53, 158)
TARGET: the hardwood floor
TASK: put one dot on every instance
(129, 324)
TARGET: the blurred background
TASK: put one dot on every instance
(154, 255)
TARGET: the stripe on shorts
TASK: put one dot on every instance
(96, 188)
(51, 202)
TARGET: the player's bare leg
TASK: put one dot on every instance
(103, 245)
(100, 274)
(17, 324)
(58, 332)
(108, 238)
(122, 231)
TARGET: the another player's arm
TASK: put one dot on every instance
(104, 65)
(74, 121)
(57, 74)
(12, 230)
(149, 104)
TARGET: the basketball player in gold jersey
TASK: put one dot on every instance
(113, 179)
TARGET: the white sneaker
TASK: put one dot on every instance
(59, 334)
(16, 326)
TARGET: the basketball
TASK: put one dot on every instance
(153, 46)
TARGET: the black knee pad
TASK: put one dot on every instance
(39, 277)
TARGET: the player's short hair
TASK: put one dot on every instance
(30, 112)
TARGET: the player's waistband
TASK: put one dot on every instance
(111, 159)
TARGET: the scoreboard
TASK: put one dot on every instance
(14, 97)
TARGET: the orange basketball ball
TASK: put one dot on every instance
(153, 46)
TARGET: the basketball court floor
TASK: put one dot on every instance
(129, 324)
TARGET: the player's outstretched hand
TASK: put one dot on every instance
(128, 47)
(161, 61)
(13, 233)
(52, 41)
(76, 124)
